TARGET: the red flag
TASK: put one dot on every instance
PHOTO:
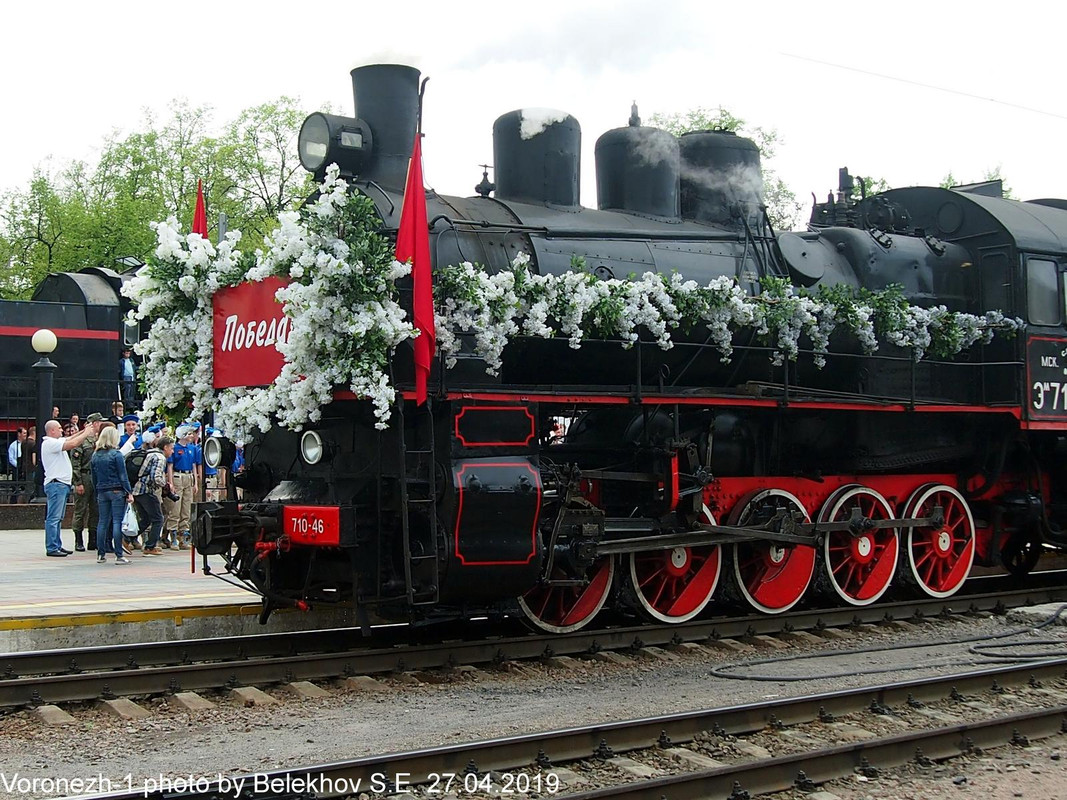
(413, 242)
(200, 214)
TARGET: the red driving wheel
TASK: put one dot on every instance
(675, 585)
(859, 567)
(771, 577)
(939, 555)
(563, 609)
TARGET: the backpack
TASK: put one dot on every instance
(134, 465)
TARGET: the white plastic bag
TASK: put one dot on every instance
(130, 526)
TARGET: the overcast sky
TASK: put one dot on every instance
(72, 72)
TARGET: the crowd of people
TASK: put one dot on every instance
(22, 449)
(132, 490)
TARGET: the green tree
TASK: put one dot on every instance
(155, 170)
(993, 174)
(35, 224)
(89, 214)
(871, 186)
(260, 173)
(14, 280)
(783, 208)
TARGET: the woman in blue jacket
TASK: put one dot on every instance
(113, 492)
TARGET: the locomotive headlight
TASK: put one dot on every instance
(311, 448)
(213, 452)
(329, 139)
(314, 142)
(219, 451)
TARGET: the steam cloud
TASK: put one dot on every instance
(535, 120)
(739, 183)
(655, 147)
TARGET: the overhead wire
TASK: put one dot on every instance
(910, 82)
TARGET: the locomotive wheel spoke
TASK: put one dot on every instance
(859, 569)
(769, 577)
(562, 609)
(939, 557)
(675, 585)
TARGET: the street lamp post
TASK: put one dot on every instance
(44, 342)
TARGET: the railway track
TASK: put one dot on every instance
(606, 754)
(36, 678)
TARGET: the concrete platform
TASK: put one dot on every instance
(49, 603)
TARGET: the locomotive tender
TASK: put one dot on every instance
(681, 482)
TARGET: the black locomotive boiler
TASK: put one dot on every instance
(681, 483)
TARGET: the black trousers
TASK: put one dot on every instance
(150, 515)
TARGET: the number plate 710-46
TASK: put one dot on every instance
(316, 525)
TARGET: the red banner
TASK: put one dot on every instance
(200, 212)
(247, 323)
(413, 244)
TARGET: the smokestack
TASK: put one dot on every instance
(387, 98)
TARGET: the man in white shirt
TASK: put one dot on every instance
(14, 453)
(57, 479)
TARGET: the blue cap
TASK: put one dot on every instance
(157, 427)
(132, 418)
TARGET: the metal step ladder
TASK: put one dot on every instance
(418, 489)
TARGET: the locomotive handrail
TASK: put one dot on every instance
(484, 224)
(675, 344)
(583, 233)
(642, 235)
(784, 393)
(611, 475)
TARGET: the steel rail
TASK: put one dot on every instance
(230, 648)
(765, 776)
(596, 741)
(29, 663)
(272, 669)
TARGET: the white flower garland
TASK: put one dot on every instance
(579, 305)
(345, 321)
(341, 302)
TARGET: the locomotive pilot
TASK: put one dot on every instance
(85, 511)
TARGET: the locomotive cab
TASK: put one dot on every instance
(1018, 255)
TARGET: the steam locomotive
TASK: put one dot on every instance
(681, 483)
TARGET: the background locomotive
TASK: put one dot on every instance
(86, 311)
(676, 469)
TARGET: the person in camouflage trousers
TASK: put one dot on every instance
(85, 512)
